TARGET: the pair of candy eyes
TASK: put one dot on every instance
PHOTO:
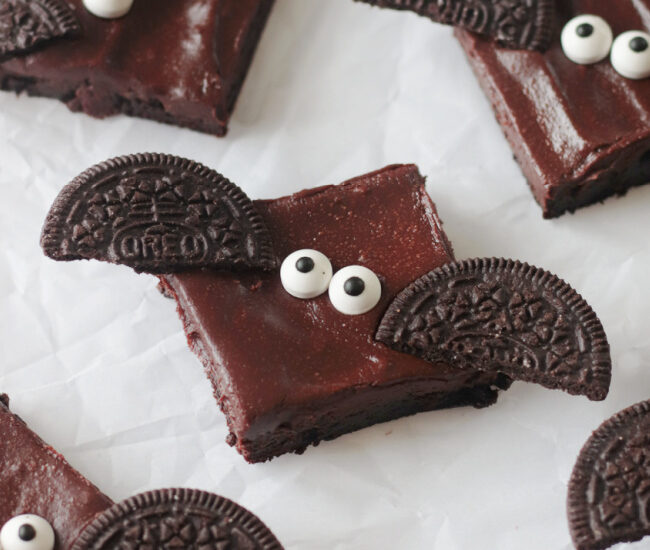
(588, 39)
(353, 290)
(27, 532)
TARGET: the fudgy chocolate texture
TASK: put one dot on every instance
(609, 491)
(289, 373)
(180, 62)
(504, 316)
(35, 479)
(519, 24)
(579, 133)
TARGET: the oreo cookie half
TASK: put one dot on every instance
(609, 491)
(502, 316)
(26, 24)
(157, 214)
(177, 518)
(516, 24)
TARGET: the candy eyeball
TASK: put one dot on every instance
(108, 9)
(306, 273)
(354, 290)
(631, 55)
(27, 532)
(587, 39)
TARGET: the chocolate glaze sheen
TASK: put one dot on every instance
(580, 132)
(181, 62)
(35, 479)
(282, 366)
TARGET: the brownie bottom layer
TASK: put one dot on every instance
(101, 101)
(345, 412)
(365, 407)
(629, 169)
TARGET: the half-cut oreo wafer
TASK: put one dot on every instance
(26, 24)
(609, 491)
(157, 214)
(502, 316)
(517, 24)
(177, 518)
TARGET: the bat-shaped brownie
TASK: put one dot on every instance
(304, 310)
(46, 504)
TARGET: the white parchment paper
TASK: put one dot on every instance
(96, 361)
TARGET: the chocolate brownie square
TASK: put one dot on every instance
(35, 479)
(180, 62)
(579, 132)
(289, 373)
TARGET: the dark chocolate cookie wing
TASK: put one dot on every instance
(517, 24)
(157, 214)
(609, 491)
(177, 518)
(26, 24)
(504, 316)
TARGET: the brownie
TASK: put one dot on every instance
(288, 372)
(180, 62)
(45, 503)
(579, 133)
(35, 479)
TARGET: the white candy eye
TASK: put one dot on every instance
(108, 9)
(306, 273)
(27, 532)
(354, 290)
(631, 54)
(587, 39)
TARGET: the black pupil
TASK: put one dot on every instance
(26, 532)
(585, 30)
(354, 286)
(638, 44)
(305, 264)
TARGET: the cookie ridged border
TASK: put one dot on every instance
(58, 17)
(177, 496)
(51, 237)
(63, 14)
(577, 505)
(570, 297)
(543, 22)
(544, 26)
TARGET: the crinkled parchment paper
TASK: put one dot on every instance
(95, 359)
